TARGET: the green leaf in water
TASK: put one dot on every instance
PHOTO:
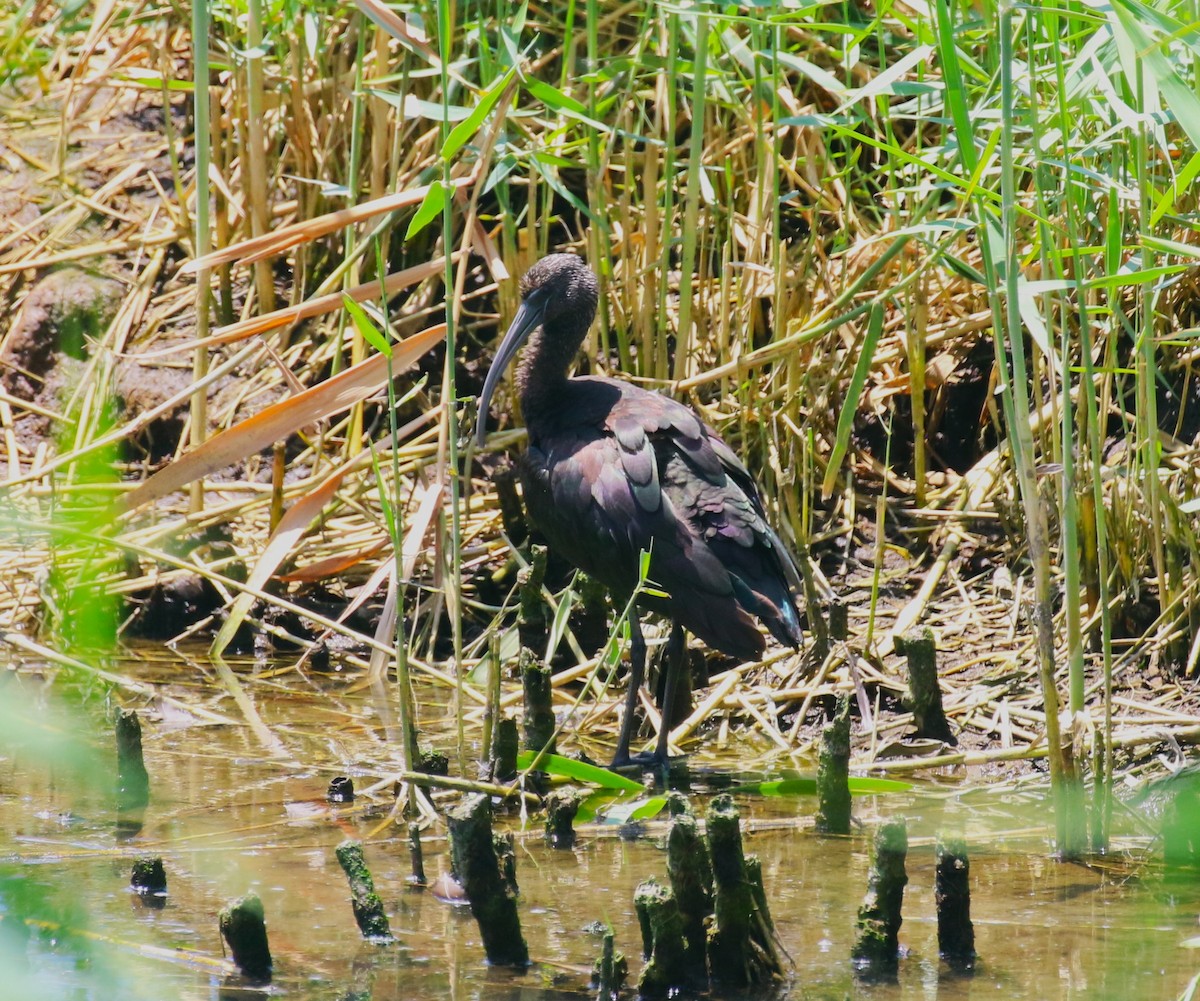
(808, 787)
(568, 768)
(636, 809)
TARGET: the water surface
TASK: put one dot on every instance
(228, 817)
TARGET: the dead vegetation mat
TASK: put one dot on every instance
(92, 234)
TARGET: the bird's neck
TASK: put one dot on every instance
(542, 374)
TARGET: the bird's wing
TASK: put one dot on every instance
(707, 489)
(593, 485)
(590, 509)
(624, 471)
(741, 476)
(681, 470)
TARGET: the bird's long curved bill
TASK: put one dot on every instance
(527, 320)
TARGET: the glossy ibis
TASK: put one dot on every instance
(612, 471)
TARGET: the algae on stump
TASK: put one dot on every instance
(561, 807)
(690, 872)
(952, 894)
(663, 946)
(741, 946)
(492, 898)
(924, 694)
(244, 929)
(877, 948)
(611, 971)
(133, 781)
(833, 772)
(505, 742)
(149, 876)
(539, 707)
(365, 902)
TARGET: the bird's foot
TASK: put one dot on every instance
(643, 761)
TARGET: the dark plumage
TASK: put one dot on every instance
(613, 470)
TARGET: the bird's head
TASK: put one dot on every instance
(559, 286)
(559, 293)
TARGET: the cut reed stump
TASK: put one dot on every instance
(133, 781)
(830, 624)
(741, 946)
(877, 947)
(245, 932)
(505, 742)
(478, 869)
(561, 807)
(531, 608)
(611, 970)
(589, 622)
(755, 877)
(341, 789)
(663, 946)
(149, 877)
(833, 772)
(431, 761)
(368, 908)
(952, 893)
(512, 514)
(416, 855)
(539, 711)
(690, 872)
(838, 613)
(924, 693)
(506, 856)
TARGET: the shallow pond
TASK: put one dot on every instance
(228, 817)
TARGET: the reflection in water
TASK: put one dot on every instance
(227, 818)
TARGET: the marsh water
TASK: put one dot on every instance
(227, 816)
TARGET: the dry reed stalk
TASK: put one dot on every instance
(778, 394)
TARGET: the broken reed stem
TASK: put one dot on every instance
(876, 950)
(925, 694)
(244, 929)
(416, 854)
(133, 781)
(833, 772)
(666, 969)
(952, 896)
(368, 908)
(488, 887)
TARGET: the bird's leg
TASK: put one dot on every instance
(637, 670)
(673, 664)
